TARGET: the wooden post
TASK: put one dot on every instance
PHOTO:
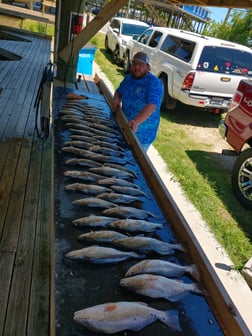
(72, 48)
(66, 70)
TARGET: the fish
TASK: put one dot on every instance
(83, 138)
(101, 255)
(73, 113)
(134, 225)
(158, 286)
(106, 150)
(128, 190)
(117, 198)
(94, 202)
(147, 244)
(95, 141)
(110, 171)
(84, 175)
(117, 181)
(95, 127)
(107, 122)
(107, 138)
(87, 188)
(82, 120)
(92, 155)
(128, 212)
(79, 151)
(103, 236)
(164, 268)
(93, 221)
(82, 132)
(115, 146)
(117, 166)
(78, 144)
(113, 317)
(77, 125)
(83, 162)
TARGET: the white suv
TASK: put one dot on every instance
(196, 70)
(119, 32)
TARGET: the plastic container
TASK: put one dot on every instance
(85, 60)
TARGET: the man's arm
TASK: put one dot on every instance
(144, 114)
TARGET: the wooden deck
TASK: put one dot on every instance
(25, 194)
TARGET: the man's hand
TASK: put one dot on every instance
(133, 125)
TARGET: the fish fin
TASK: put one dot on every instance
(175, 297)
(194, 272)
(152, 215)
(171, 320)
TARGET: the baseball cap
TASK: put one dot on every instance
(141, 57)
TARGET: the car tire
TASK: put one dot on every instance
(126, 63)
(168, 102)
(106, 45)
(242, 178)
(116, 56)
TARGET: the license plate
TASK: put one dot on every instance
(217, 101)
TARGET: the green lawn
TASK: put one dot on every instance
(205, 182)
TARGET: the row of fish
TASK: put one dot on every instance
(98, 150)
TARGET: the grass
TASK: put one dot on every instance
(206, 183)
(38, 27)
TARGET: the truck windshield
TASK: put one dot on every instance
(132, 29)
(226, 61)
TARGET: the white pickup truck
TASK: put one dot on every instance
(196, 70)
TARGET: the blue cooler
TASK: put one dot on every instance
(85, 60)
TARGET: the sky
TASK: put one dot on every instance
(218, 14)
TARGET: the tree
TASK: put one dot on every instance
(237, 29)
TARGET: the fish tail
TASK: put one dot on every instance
(198, 289)
(194, 272)
(139, 256)
(171, 319)
(180, 247)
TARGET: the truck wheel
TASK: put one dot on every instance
(126, 63)
(167, 101)
(242, 178)
(106, 45)
(116, 56)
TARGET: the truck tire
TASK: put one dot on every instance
(106, 45)
(242, 178)
(126, 62)
(116, 55)
(168, 102)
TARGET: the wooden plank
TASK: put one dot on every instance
(6, 268)
(49, 3)
(4, 149)
(6, 183)
(39, 311)
(19, 94)
(25, 13)
(72, 49)
(17, 312)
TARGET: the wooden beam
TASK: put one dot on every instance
(73, 47)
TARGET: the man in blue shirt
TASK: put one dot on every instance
(140, 95)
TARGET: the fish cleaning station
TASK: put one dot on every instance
(91, 240)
